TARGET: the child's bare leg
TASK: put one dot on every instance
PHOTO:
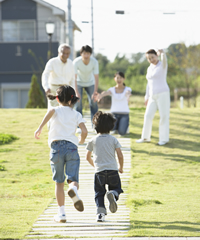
(60, 194)
(60, 197)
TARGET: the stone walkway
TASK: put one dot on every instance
(83, 224)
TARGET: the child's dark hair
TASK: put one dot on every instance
(103, 122)
(121, 74)
(86, 48)
(64, 95)
(151, 51)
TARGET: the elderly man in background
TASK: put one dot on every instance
(58, 71)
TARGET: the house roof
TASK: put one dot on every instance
(75, 27)
(55, 10)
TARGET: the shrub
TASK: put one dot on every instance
(7, 138)
(36, 97)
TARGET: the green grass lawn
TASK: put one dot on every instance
(164, 190)
(164, 185)
(26, 186)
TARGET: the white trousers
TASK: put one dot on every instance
(161, 102)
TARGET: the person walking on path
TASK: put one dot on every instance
(64, 157)
(59, 71)
(104, 147)
(86, 77)
(120, 95)
(157, 97)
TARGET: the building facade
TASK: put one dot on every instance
(24, 46)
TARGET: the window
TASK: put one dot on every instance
(19, 30)
(10, 99)
(14, 95)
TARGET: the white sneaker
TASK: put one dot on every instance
(100, 217)
(78, 203)
(112, 202)
(143, 140)
(161, 143)
(60, 218)
(78, 130)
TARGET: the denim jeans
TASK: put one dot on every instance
(122, 123)
(64, 160)
(112, 179)
(93, 105)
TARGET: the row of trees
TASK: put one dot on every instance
(183, 71)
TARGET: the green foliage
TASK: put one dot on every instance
(134, 70)
(183, 69)
(7, 138)
(108, 69)
(36, 97)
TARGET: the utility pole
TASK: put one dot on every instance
(70, 30)
(92, 27)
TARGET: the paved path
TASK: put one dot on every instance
(83, 224)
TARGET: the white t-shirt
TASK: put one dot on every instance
(63, 124)
(58, 73)
(119, 101)
(85, 73)
(157, 78)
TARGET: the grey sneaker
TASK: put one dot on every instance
(100, 217)
(112, 202)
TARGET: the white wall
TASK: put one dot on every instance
(44, 15)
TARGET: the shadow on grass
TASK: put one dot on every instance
(193, 146)
(183, 144)
(168, 225)
(173, 157)
(179, 133)
(132, 136)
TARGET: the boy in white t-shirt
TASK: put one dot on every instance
(104, 147)
(64, 157)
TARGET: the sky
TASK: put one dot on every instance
(146, 24)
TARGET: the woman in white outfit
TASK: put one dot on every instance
(157, 97)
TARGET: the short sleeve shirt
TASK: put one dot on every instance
(63, 125)
(85, 73)
(103, 147)
(119, 101)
